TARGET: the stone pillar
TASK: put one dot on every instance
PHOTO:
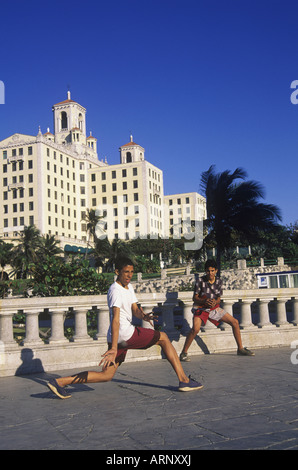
(57, 326)
(147, 308)
(6, 328)
(81, 325)
(263, 307)
(245, 314)
(187, 316)
(281, 313)
(295, 311)
(227, 305)
(103, 322)
(32, 328)
(168, 318)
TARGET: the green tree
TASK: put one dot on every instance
(6, 254)
(49, 246)
(235, 206)
(26, 252)
(54, 277)
(91, 219)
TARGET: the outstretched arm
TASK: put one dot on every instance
(110, 356)
(138, 312)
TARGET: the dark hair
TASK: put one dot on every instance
(123, 261)
(210, 263)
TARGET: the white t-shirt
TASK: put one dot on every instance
(123, 298)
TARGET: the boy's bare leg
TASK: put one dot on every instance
(172, 357)
(233, 322)
(197, 322)
(89, 377)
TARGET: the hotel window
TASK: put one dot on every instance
(135, 171)
(4, 154)
(124, 173)
(114, 174)
(30, 151)
(63, 120)
(114, 187)
(30, 164)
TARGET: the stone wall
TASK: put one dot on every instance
(240, 278)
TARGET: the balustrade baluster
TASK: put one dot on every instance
(295, 311)
(103, 322)
(168, 325)
(227, 305)
(245, 314)
(147, 308)
(57, 326)
(32, 327)
(263, 308)
(81, 333)
(281, 313)
(187, 316)
(6, 328)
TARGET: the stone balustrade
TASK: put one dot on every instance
(267, 317)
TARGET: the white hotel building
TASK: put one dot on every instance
(50, 180)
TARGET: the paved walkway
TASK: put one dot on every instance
(246, 403)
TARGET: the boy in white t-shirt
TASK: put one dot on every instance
(123, 335)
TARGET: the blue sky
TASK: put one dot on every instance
(197, 82)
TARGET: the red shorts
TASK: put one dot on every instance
(142, 338)
(216, 312)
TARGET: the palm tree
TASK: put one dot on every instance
(5, 255)
(26, 252)
(50, 246)
(235, 206)
(91, 219)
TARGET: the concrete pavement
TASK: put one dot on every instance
(246, 403)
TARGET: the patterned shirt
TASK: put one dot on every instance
(204, 288)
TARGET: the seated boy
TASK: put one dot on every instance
(123, 335)
(207, 293)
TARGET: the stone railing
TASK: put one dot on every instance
(267, 317)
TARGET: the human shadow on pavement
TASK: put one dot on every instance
(32, 369)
